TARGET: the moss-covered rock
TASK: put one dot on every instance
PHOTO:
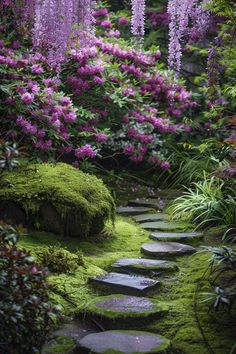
(56, 198)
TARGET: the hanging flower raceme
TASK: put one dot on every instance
(138, 18)
(182, 13)
(57, 26)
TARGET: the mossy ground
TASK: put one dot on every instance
(181, 324)
(61, 345)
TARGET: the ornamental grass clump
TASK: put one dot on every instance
(207, 204)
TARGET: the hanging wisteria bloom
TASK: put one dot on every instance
(58, 23)
(183, 13)
(138, 18)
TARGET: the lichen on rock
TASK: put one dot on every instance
(56, 198)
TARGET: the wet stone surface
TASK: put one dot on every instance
(166, 249)
(151, 217)
(143, 266)
(126, 304)
(164, 225)
(129, 210)
(158, 204)
(175, 236)
(126, 284)
(123, 342)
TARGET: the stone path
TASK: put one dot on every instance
(143, 266)
(175, 236)
(151, 217)
(132, 342)
(132, 280)
(129, 210)
(164, 225)
(166, 249)
(119, 310)
(126, 284)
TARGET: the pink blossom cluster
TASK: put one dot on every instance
(85, 151)
(38, 111)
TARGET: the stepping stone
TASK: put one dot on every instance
(171, 236)
(151, 217)
(115, 307)
(152, 203)
(124, 342)
(167, 194)
(144, 266)
(126, 284)
(164, 225)
(166, 249)
(129, 210)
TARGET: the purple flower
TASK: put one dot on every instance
(165, 165)
(101, 12)
(85, 151)
(70, 117)
(101, 137)
(123, 21)
(129, 91)
(138, 17)
(37, 69)
(27, 98)
(106, 24)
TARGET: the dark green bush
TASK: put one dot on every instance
(26, 314)
(59, 260)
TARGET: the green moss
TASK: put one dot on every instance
(188, 315)
(58, 259)
(80, 200)
(63, 345)
(180, 324)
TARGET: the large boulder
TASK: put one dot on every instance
(56, 198)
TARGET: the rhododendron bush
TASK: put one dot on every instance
(109, 97)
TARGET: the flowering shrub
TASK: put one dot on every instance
(140, 105)
(112, 98)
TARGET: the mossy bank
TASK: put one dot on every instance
(55, 198)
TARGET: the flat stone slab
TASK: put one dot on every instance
(166, 249)
(125, 307)
(164, 225)
(167, 194)
(144, 266)
(124, 342)
(157, 204)
(126, 284)
(129, 210)
(151, 217)
(172, 236)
